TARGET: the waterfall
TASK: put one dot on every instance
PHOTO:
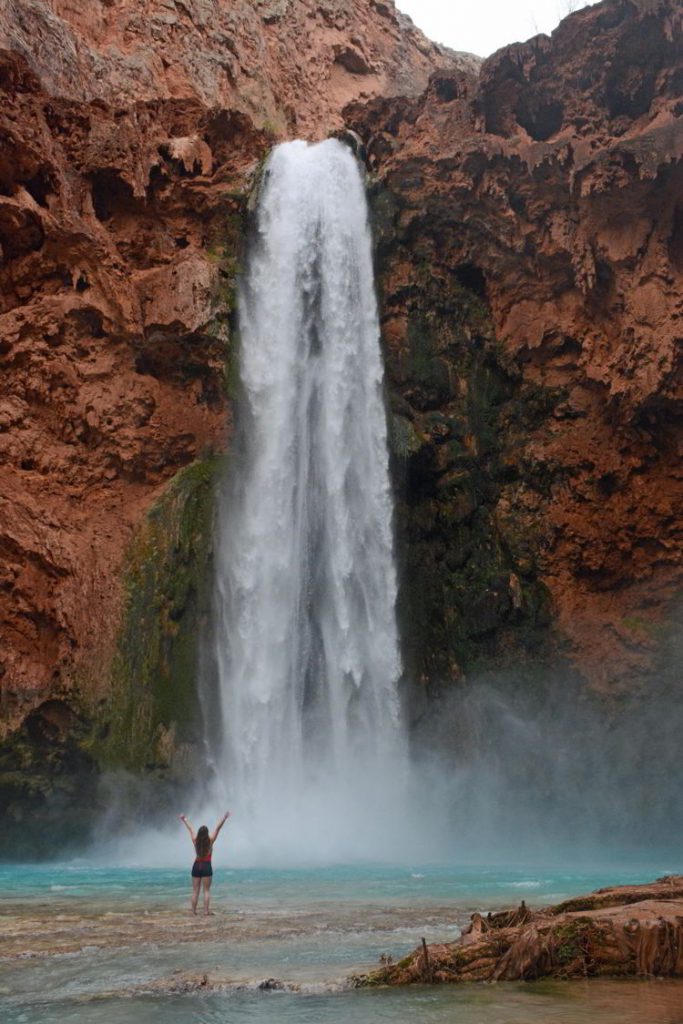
(313, 755)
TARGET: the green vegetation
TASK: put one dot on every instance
(404, 440)
(471, 597)
(225, 251)
(572, 943)
(152, 710)
(271, 130)
(150, 719)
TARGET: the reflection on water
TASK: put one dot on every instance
(92, 944)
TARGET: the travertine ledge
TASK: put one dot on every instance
(628, 931)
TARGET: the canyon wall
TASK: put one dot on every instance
(529, 229)
(129, 141)
(528, 217)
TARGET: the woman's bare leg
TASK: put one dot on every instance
(207, 893)
(196, 884)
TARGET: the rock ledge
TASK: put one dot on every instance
(630, 931)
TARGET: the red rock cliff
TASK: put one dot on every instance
(548, 189)
(553, 187)
(128, 136)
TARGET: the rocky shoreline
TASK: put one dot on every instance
(627, 931)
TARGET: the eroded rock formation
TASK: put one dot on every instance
(631, 931)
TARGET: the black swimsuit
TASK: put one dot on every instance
(202, 867)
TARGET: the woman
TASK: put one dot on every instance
(202, 872)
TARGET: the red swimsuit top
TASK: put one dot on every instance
(204, 860)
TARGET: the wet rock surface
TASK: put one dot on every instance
(54, 927)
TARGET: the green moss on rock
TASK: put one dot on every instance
(470, 597)
(152, 712)
(404, 441)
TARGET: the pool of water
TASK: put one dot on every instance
(91, 942)
(83, 883)
(639, 1002)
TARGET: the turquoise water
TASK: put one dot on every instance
(89, 942)
(463, 887)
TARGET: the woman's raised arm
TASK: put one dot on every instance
(188, 827)
(219, 826)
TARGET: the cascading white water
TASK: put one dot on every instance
(313, 753)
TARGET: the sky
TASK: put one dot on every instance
(483, 26)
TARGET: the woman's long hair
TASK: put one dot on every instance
(202, 843)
